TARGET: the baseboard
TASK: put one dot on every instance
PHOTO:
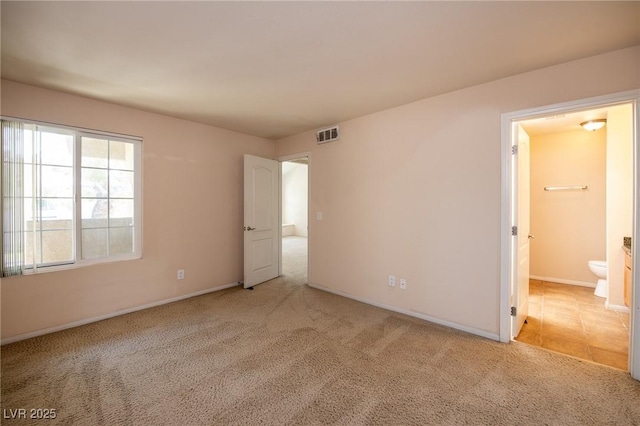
(618, 308)
(411, 313)
(563, 281)
(61, 327)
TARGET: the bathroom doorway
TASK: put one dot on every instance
(570, 170)
(295, 214)
(562, 313)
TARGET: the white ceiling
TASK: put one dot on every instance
(563, 122)
(274, 69)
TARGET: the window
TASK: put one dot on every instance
(69, 197)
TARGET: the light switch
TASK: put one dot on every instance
(319, 216)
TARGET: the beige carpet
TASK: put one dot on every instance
(285, 353)
(294, 259)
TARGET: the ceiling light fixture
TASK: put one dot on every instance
(593, 125)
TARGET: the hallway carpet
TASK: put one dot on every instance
(294, 258)
(286, 353)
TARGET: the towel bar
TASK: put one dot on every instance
(566, 188)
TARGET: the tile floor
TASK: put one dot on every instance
(572, 320)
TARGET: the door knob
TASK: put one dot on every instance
(248, 228)
(531, 237)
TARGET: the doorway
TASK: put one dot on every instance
(569, 171)
(295, 214)
(511, 291)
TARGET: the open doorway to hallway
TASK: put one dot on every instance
(295, 184)
(580, 211)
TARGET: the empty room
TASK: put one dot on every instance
(319, 213)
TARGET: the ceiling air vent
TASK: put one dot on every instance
(328, 135)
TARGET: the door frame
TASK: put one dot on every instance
(508, 262)
(281, 160)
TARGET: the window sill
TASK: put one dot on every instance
(79, 265)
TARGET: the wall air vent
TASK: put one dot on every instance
(328, 135)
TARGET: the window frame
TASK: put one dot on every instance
(33, 268)
(78, 133)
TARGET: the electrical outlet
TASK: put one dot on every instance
(181, 274)
(392, 281)
(403, 283)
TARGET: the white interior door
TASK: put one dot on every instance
(261, 227)
(520, 295)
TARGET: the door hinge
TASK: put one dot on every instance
(513, 311)
(514, 149)
(514, 230)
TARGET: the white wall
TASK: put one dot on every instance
(569, 226)
(414, 191)
(192, 215)
(294, 196)
(619, 196)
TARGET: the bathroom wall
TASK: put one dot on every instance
(568, 226)
(619, 196)
(294, 196)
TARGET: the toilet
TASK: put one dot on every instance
(599, 269)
